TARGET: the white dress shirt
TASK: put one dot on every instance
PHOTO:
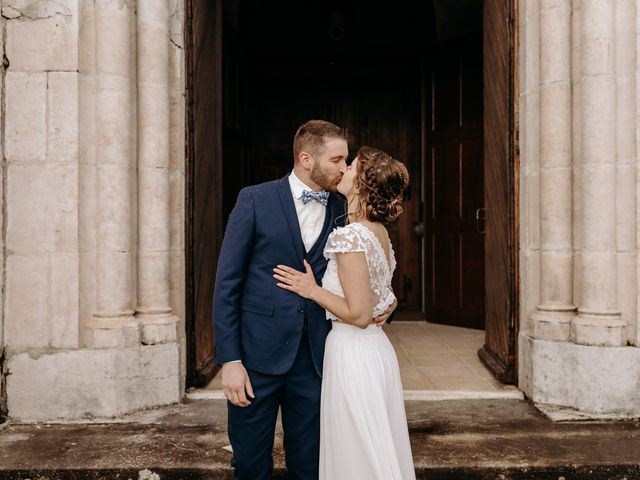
(310, 215)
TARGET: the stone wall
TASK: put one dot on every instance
(579, 332)
(40, 248)
(93, 317)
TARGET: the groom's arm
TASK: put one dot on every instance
(233, 262)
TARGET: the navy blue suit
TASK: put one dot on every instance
(278, 335)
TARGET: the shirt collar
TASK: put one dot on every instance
(297, 185)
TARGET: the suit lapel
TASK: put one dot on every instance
(336, 206)
(286, 199)
(322, 238)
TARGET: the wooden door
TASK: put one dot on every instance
(379, 107)
(203, 182)
(499, 351)
(454, 179)
(382, 109)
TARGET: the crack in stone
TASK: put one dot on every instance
(34, 10)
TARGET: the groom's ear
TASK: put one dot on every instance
(305, 160)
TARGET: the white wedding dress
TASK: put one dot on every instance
(363, 425)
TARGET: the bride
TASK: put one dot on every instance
(363, 426)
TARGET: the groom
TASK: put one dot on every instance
(269, 341)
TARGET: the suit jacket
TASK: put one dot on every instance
(255, 320)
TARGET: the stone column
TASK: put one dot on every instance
(626, 160)
(157, 323)
(599, 320)
(552, 320)
(113, 324)
(634, 330)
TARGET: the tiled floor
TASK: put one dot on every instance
(435, 357)
(440, 357)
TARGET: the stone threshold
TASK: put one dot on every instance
(421, 395)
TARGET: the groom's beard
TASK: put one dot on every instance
(323, 180)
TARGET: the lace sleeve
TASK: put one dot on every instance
(343, 240)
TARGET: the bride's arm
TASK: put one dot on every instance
(357, 306)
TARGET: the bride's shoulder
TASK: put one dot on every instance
(350, 230)
(342, 229)
(345, 239)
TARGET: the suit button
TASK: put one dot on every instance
(300, 310)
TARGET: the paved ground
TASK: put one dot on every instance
(436, 357)
(461, 439)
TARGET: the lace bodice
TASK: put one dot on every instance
(355, 237)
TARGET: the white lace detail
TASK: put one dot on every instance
(355, 237)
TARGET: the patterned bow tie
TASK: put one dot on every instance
(308, 195)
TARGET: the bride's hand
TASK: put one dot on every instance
(298, 282)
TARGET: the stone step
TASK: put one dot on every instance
(457, 439)
(598, 472)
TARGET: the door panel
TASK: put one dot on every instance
(387, 119)
(204, 185)
(454, 174)
(499, 149)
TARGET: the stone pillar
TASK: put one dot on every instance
(634, 331)
(113, 324)
(626, 161)
(599, 319)
(157, 323)
(552, 320)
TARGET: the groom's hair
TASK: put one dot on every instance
(312, 136)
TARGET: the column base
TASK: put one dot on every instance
(112, 330)
(91, 384)
(594, 381)
(598, 329)
(552, 322)
(157, 328)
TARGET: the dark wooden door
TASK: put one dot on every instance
(454, 174)
(203, 181)
(379, 107)
(499, 351)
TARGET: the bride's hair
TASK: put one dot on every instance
(381, 181)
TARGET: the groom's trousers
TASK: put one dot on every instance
(251, 429)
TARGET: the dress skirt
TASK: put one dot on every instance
(363, 424)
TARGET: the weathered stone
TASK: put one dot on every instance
(552, 318)
(44, 44)
(25, 121)
(34, 10)
(565, 375)
(62, 108)
(43, 217)
(26, 321)
(75, 384)
(158, 325)
(63, 301)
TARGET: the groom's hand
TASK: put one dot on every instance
(381, 319)
(235, 382)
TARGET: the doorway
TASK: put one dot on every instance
(398, 79)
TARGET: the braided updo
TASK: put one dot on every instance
(381, 181)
